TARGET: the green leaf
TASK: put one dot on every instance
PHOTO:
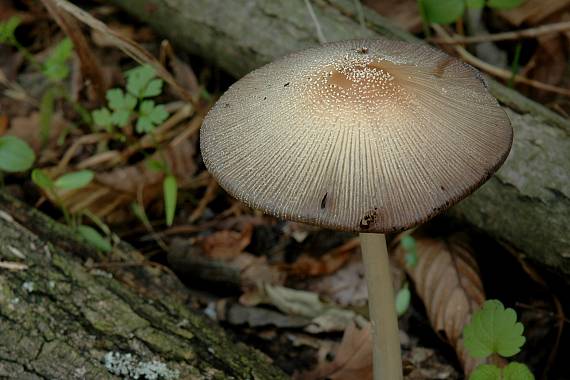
(409, 244)
(122, 105)
(486, 372)
(15, 154)
(94, 238)
(47, 106)
(76, 180)
(493, 329)
(102, 118)
(138, 79)
(41, 179)
(403, 300)
(55, 67)
(504, 4)
(8, 30)
(517, 371)
(150, 116)
(154, 88)
(140, 213)
(476, 4)
(170, 189)
(443, 11)
(118, 100)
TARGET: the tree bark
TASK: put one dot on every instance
(526, 204)
(63, 317)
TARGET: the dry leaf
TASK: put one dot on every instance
(549, 61)
(421, 363)
(346, 287)
(226, 245)
(352, 359)
(446, 278)
(325, 264)
(28, 128)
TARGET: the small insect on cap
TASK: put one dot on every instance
(366, 135)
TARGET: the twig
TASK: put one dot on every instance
(83, 140)
(514, 35)
(496, 71)
(15, 91)
(208, 197)
(12, 265)
(320, 34)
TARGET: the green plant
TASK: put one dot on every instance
(73, 181)
(404, 296)
(54, 68)
(123, 107)
(169, 189)
(448, 11)
(494, 330)
(411, 254)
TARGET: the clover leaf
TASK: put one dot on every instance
(141, 82)
(517, 371)
(103, 118)
(122, 105)
(150, 115)
(486, 372)
(513, 371)
(493, 329)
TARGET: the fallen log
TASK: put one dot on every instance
(66, 312)
(526, 204)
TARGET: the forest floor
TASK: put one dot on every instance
(119, 159)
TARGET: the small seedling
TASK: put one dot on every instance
(495, 330)
(93, 237)
(448, 11)
(169, 188)
(123, 107)
(55, 67)
(72, 181)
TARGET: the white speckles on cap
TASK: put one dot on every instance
(372, 136)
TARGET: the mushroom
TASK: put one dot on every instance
(370, 136)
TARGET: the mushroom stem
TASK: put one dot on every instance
(387, 358)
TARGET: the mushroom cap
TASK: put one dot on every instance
(362, 135)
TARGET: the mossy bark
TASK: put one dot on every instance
(525, 205)
(61, 318)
